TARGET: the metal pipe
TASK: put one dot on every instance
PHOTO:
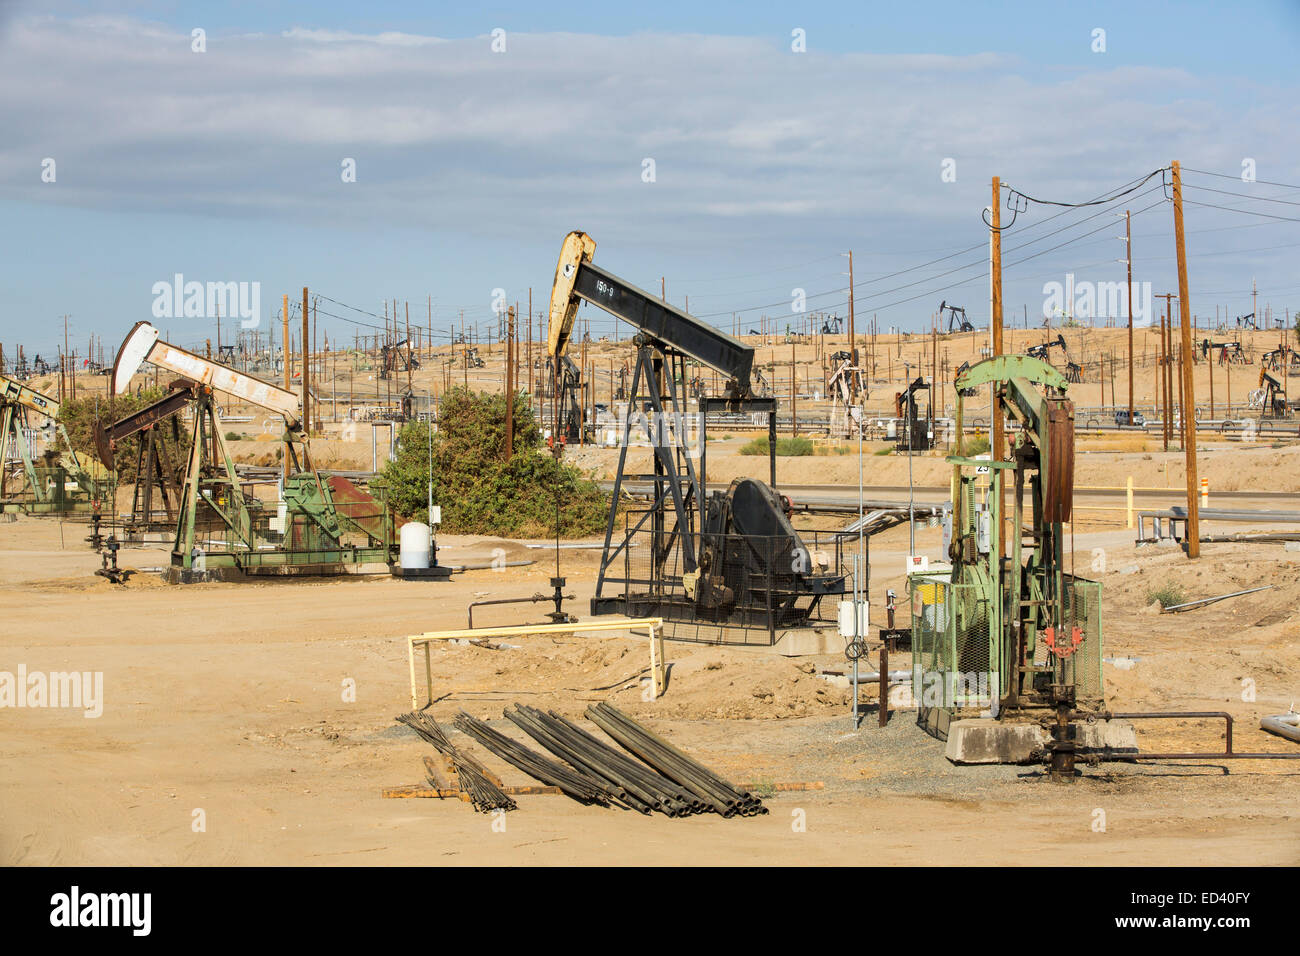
(1228, 753)
(536, 598)
(1284, 725)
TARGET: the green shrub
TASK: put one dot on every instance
(883, 451)
(480, 492)
(785, 447)
(975, 446)
(233, 436)
(1167, 595)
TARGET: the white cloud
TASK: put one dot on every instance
(449, 135)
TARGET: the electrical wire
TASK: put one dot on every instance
(1265, 182)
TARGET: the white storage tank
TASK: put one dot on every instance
(415, 542)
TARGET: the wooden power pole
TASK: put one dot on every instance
(995, 321)
(306, 364)
(1128, 256)
(1189, 399)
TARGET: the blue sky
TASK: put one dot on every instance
(472, 165)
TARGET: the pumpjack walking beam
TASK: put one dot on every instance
(142, 344)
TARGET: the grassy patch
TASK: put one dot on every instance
(785, 447)
(1167, 595)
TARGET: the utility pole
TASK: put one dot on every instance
(1166, 415)
(510, 387)
(794, 393)
(1209, 360)
(408, 346)
(995, 321)
(1128, 256)
(1189, 415)
(853, 351)
(306, 365)
(284, 348)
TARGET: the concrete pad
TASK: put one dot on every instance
(1115, 736)
(984, 740)
(806, 641)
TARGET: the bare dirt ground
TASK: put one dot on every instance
(228, 700)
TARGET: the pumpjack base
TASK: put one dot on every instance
(983, 740)
(688, 624)
(177, 574)
(439, 572)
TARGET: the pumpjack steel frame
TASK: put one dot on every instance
(47, 490)
(319, 510)
(1020, 601)
(668, 341)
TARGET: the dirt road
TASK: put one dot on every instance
(226, 735)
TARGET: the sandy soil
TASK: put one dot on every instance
(228, 699)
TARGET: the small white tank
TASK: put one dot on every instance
(415, 541)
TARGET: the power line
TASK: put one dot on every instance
(1206, 172)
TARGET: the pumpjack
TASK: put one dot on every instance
(915, 433)
(1274, 404)
(568, 387)
(731, 560)
(321, 524)
(47, 487)
(158, 457)
(1010, 630)
(957, 321)
(1042, 352)
(398, 357)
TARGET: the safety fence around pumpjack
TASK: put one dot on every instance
(352, 521)
(957, 663)
(747, 589)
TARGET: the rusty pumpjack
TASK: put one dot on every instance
(1018, 636)
(325, 523)
(733, 557)
(157, 459)
(398, 357)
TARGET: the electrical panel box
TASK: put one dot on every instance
(846, 619)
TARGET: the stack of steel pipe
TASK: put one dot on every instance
(720, 795)
(641, 787)
(551, 772)
(483, 793)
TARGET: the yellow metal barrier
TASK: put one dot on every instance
(652, 625)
